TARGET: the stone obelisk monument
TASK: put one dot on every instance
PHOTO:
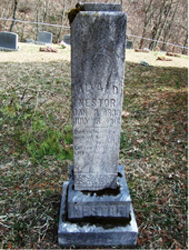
(96, 205)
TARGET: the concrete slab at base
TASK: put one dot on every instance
(94, 234)
(7, 49)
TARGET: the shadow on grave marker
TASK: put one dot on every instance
(96, 207)
(44, 37)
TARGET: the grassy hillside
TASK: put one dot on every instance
(36, 149)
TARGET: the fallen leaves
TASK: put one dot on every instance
(125, 114)
(172, 54)
(142, 50)
(163, 58)
(155, 159)
(48, 49)
(153, 151)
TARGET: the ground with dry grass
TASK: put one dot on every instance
(152, 56)
(36, 149)
(30, 53)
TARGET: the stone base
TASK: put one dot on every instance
(8, 49)
(107, 203)
(42, 43)
(102, 233)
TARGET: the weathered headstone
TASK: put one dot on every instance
(98, 50)
(8, 41)
(97, 190)
(95, 232)
(29, 41)
(129, 44)
(44, 37)
(66, 39)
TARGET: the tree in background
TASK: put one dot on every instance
(14, 14)
(161, 20)
(148, 10)
(163, 23)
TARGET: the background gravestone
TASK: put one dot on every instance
(28, 40)
(45, 37)
(8, 41)
(129, 44)
(66, 39)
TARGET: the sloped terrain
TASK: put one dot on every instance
(36, 151)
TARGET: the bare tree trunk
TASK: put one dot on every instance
(23, 27)
(37, 16)
(14, 15)
(46, 10)
(148, 15)
(121, 2)
(163, 25)
(157, 26)
(5, 13)
(168, 27)
(185, 51)
(62, 20)
(143, 35)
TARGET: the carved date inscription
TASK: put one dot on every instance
(95, 151)
(96, 132)
(95, 181)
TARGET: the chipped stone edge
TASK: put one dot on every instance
(88, 235)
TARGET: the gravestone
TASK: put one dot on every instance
(129, 44)
(96, 205)
(66, 39)
(44, 37)
(28, 40)
(8, 41)
(97, 83)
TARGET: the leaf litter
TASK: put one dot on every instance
(36, 98)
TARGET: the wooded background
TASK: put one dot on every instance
(162, 20)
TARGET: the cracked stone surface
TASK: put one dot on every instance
(96, 207)
(94, 234)
(109, 203)
(97, 55)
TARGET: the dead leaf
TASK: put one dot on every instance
(163, 58)
(125, 114)
(9, 245)
(153, 178)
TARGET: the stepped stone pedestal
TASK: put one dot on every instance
(96, 207)
(97, 232)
